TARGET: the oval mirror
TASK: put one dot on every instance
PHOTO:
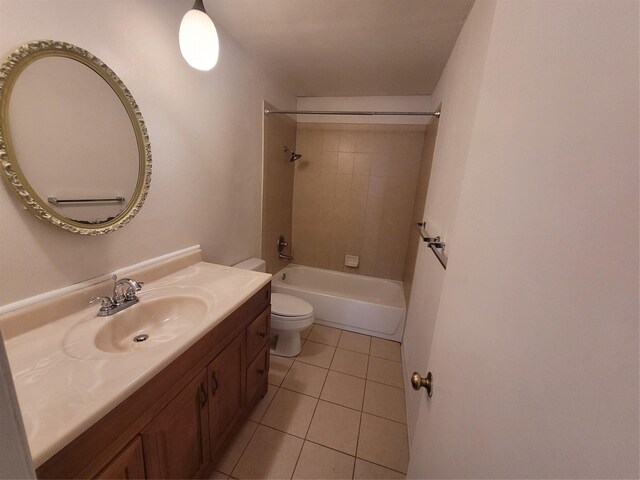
(73, 144)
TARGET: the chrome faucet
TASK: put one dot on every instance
(124, 295)
(130, 287)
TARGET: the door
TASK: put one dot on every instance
(176, 442)
(227, 374)
(535, 349)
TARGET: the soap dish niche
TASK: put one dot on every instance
(351, 261)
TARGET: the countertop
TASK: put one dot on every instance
(64, 386)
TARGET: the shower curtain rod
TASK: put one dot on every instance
(317, 112)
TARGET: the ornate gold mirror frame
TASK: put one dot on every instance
(9, 73)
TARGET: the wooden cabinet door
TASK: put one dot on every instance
(176, 442)
(129, 464)
(227, 389)
(257, 334)
(257, 375)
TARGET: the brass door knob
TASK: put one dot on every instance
(417, 382)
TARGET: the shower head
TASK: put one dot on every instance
(294, 156)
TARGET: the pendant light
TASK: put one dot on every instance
(198, 38)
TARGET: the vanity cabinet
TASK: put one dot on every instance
(178, 423)
(257, 374)
(176, 442)
(129, 464)
(227, 387)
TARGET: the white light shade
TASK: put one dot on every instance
(199, 40)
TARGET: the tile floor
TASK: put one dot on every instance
(335, 411)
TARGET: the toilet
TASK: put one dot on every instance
(289, 316)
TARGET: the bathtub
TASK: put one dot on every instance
(368, 305)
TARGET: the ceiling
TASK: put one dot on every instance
(347, 47)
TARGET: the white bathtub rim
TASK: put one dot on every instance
(278, 281)
(334, 305)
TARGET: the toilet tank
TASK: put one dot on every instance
(255, 264)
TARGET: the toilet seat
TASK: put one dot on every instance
(284, 306)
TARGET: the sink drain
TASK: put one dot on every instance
(140, 338)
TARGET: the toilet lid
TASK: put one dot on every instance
(289, 306)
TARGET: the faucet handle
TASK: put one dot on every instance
(133, 287)
(105, 305)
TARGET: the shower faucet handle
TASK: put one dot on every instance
(282, 244)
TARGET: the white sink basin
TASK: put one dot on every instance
(149, 324)
(156, 319)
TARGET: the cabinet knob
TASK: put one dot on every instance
(262, 334)
(214, 383)
(417, 382)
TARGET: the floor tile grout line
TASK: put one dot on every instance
(285, 373)
(359, 424)
(318, 399)
(346, 406)
(268, 405)
(304, 439)
(361, 411)
(387, 359)
(359, 428)
(293, 472)
(282, 431)
(380, 465)
(367, 374)
(314, 326)
(354, 456)
(289, 433)
(324, 400)
(353, 351)
(314, 411)
(245, 447)
(355, 333)
(330, 448)
(314, 364)
(385, 384)
(307, 364)
(371, 415)
(286, 433)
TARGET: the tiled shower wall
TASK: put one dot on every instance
(353, 194)
(277, 187)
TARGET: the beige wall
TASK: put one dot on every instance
(353, 194)
(415, 240)
(277, 185)
(205, 130)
